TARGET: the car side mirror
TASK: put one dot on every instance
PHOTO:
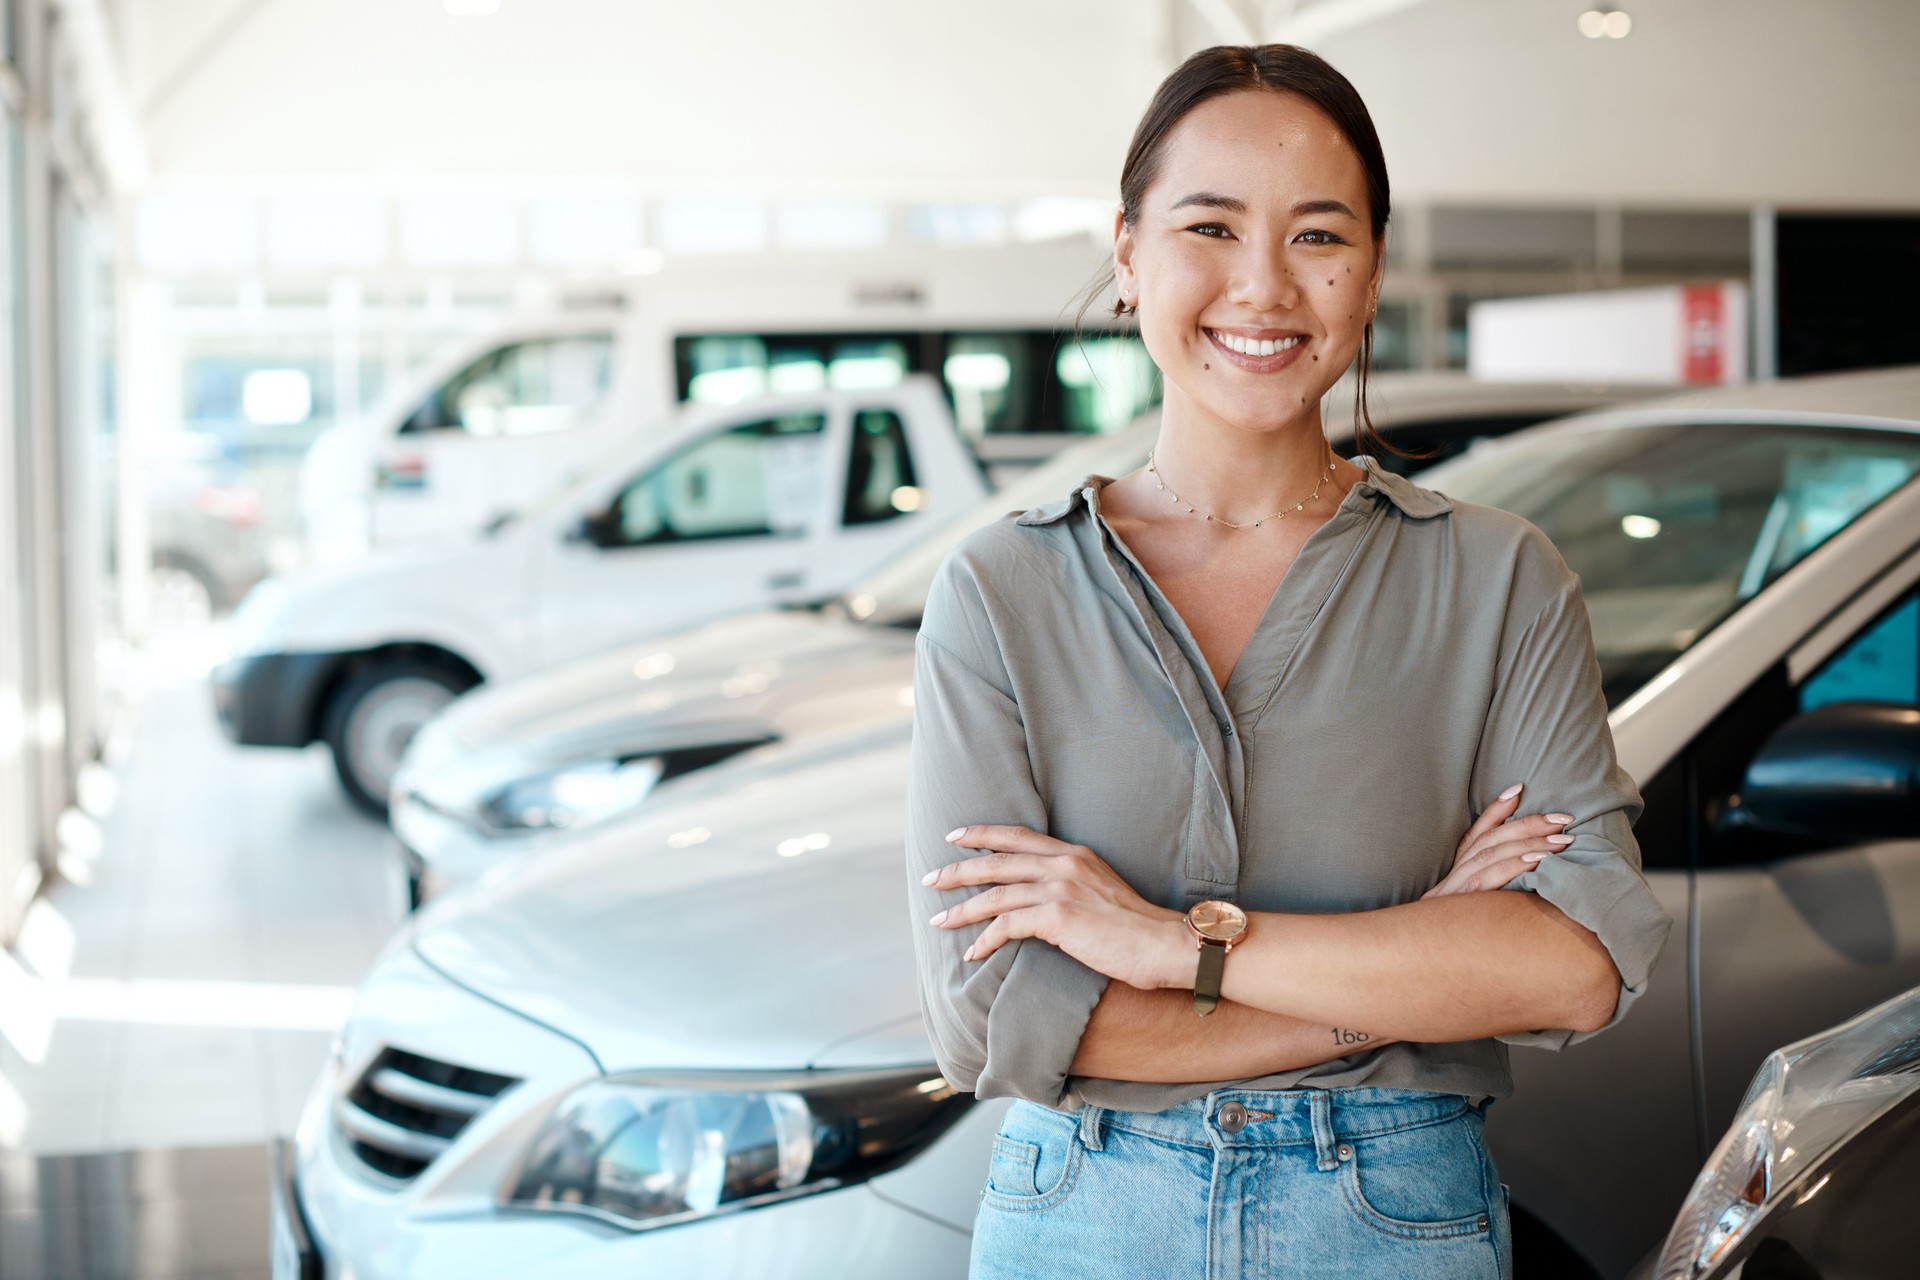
(596, 528)
(1849, 770)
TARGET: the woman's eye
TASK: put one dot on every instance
(1215, 229)
(1320, 237)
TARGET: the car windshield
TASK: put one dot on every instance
(1673, 527)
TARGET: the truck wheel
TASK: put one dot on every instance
(374, 714)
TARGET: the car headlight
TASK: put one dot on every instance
(651, 1150)
(1805, 1100)
(576, 795)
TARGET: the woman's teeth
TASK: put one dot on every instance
(1256, 346)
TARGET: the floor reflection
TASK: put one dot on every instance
(189, 1214)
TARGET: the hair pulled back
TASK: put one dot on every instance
(1276, 68)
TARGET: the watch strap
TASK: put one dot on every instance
(1206, 979)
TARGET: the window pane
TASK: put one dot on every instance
(1672, 528)
(990, 377)
(529, 388)
(1882, 665)
(880, 479)
(758, 478)
(1105, 383)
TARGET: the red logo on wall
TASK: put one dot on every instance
(1703, 334)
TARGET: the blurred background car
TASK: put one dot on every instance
(1751, 562)
(738, 508)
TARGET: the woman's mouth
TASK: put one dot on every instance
(1258, 354)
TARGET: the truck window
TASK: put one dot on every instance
(524, 388)
(880, 479)
(752, 480)
(1105, 383)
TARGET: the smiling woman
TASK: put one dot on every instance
(1193, 754)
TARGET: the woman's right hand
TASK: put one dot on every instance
(1498, 847)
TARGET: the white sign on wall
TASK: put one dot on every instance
(1693, 334)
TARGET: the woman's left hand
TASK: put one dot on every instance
(1064, 894)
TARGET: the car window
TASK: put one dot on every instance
(524, 388)
(1881, 664)
(751, 480)
(1672, 528)
(880, 479)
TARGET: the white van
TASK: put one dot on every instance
(500, 419)
(783, 499)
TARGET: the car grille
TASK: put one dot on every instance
(406, 1109)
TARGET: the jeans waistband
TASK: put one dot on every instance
(1323, 1118)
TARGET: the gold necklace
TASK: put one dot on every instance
(1281, 514)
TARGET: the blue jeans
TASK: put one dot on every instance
(1242, 1183)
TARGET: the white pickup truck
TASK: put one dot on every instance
(780, 500)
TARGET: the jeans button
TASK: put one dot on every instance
(1344, 1151)
(1233, 1117)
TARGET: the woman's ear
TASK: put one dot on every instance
(1123, 277)
(1379, 273)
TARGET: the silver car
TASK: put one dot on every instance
(1751, 560)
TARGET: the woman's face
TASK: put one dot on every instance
(1254, 238)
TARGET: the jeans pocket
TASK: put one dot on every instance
(1419, 1184)
(1036, 1158)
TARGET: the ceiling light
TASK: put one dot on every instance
(1593, 24)
(1618, 24)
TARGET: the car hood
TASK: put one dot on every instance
(741, 677)
(758, 921)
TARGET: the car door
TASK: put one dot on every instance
(1795, 933)
(493, 437)
(725, 523)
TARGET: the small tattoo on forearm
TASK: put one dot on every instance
(1343, 1036)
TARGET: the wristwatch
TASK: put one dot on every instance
(1216, 927)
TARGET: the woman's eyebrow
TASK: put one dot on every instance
(1212, 200)
(1233, 204)
(1324, 206)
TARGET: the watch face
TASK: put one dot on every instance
(1221, 921)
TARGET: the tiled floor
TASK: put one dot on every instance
(171, 1000)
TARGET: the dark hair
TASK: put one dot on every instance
(1277, 68)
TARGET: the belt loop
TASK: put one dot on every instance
(1325, 1149)
(1090, 1127)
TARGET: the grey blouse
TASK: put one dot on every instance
(1419, 657)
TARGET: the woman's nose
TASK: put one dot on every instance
(1263, 281)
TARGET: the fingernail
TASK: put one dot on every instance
(1532, 857)
(968, 955)
(931, 876)
(938, 916)
(1562, 818)
(955, 834)
(1511, 791)
(1559, 839)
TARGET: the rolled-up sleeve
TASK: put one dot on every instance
(1009, 1025)
(1547, 728)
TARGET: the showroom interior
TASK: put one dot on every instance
(472, 479)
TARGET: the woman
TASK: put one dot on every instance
(1271, 686)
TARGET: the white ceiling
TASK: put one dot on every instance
(1708, 101)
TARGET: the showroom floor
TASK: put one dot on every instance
(168, 1004)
